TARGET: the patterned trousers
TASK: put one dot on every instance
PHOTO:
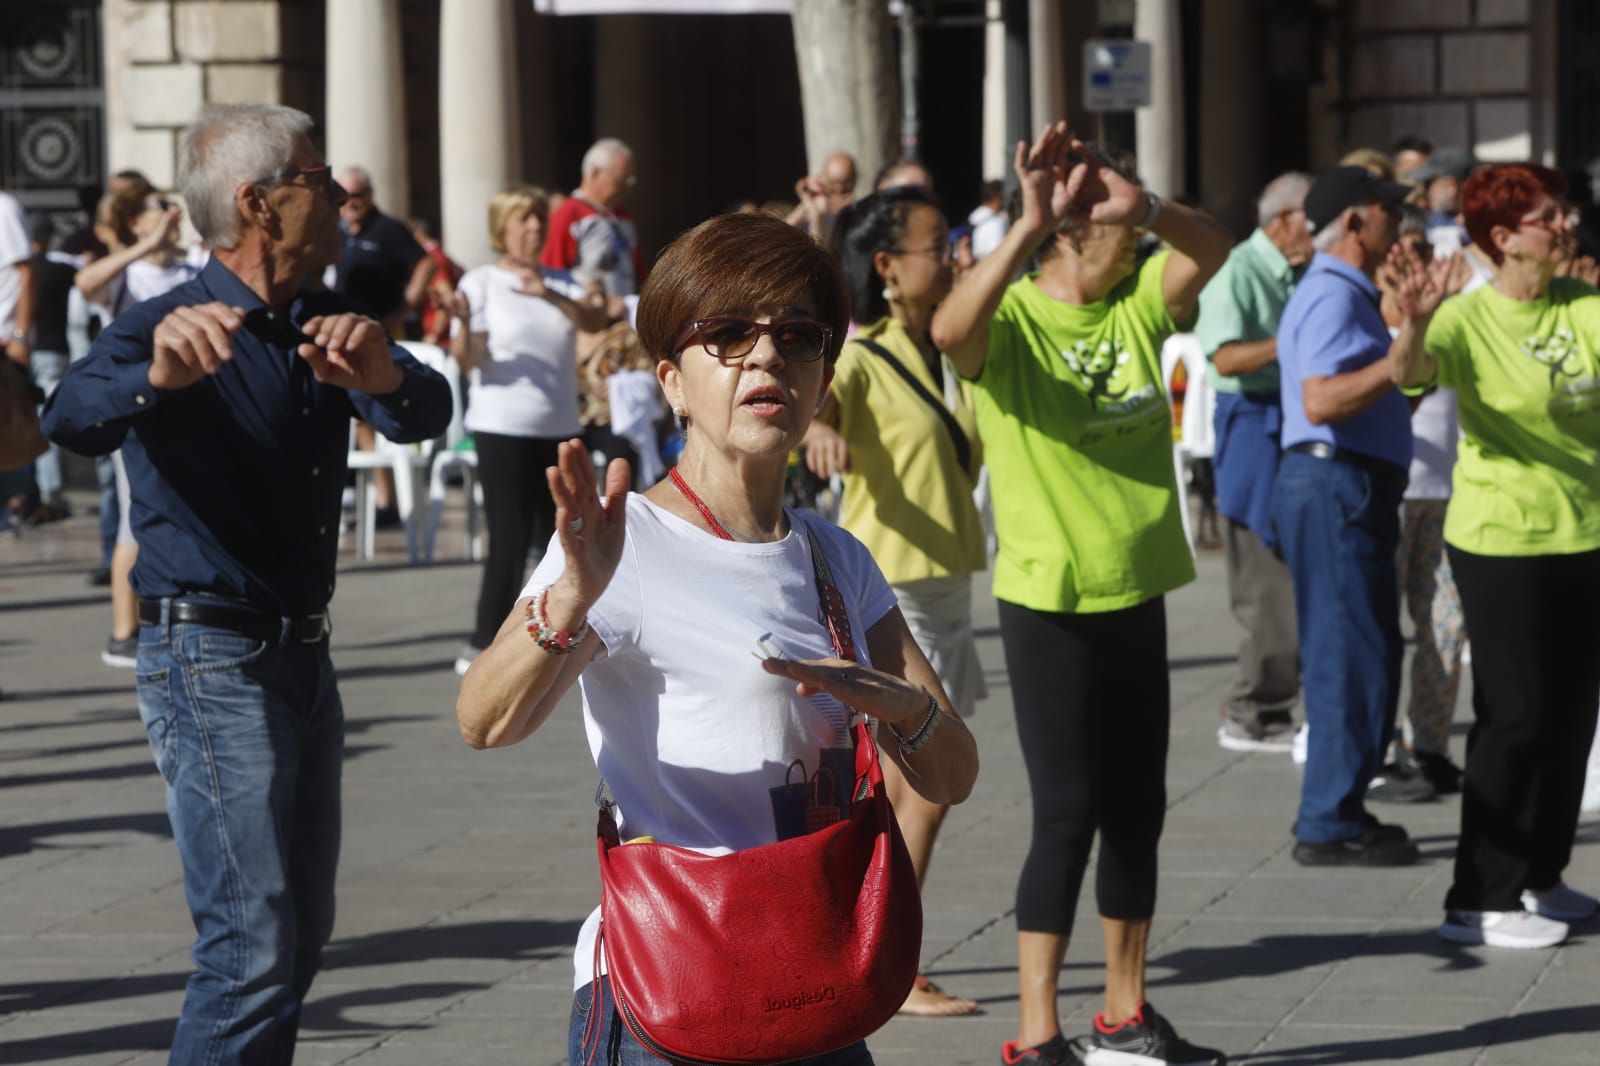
(1435, 610)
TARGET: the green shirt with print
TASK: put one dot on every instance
(1527, 378)
(1077, 434)
(1241, 305)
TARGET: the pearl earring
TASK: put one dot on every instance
(890, 293)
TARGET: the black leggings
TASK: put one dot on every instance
(1535, 681)
(519, 514)
(1093, 706)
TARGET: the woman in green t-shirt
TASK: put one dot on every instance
(909, 454)
(1066, 367)
(1523, 536)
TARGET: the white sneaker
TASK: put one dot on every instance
(1502, 929)
(1297, 750)
(1560, 903)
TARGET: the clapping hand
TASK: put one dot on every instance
(591, 533)
(351, 352)
(1419, 288)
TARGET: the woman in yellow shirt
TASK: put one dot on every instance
(898, 424)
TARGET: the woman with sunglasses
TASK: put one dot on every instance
(150, 264)
(1066, 369)
(653, 603)
(515, 332)
(898, 424)
(1523, 537)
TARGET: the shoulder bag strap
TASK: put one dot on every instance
(834, 614)
(957, 436)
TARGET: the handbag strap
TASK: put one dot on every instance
(958, 437)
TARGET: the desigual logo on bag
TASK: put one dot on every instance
(799, 1000)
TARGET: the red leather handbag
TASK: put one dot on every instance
(770, 954)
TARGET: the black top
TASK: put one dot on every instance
(377, 264)
(54, 273)
(236, 479)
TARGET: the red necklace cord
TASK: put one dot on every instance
(705, 512)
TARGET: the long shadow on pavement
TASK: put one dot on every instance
(19, 839)
(1498, 1032)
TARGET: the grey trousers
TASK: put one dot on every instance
(1261, 595)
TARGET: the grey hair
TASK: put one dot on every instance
(1331, 234)
(1286, 192)
(361, 174)
(602, 154)
(230, 145)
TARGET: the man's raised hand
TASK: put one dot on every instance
(351, 352)
(192, 342)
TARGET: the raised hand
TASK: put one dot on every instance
(827, 453)
(1095, 191)
(351, 352)
(1418, 289)
(591, 533)
(887, 698)
(459, 306)
(1041, 171)
(192, 342)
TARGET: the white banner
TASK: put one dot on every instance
(662, 7)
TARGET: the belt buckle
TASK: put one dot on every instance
(322, 628)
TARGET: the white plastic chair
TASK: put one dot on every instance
(405, 460)
(1197, 433)
(446, 458)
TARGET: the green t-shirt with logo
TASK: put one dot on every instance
(1077, 435)
(1527, 377)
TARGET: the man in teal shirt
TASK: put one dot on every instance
(1239, 312)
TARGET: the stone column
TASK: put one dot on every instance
(480, 148)
(366, 116)
(1045, 64)
(1159, 127)
(996, 149)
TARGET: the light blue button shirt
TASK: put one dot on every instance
(1330, 326)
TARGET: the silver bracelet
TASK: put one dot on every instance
(919, 740)
(1151, 212)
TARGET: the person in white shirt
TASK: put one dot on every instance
(515, 331)
(153, 264)
(16, 279)
(989, 220)
(746, 316)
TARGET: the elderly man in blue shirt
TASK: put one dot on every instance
(231, 398)
(1336, 503)
(1239, 313)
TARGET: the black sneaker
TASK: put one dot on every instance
(1441, 773)
(1147, 1040)
(123, 653)
(1401, 781)
(1053, 1052)
(1379, 845)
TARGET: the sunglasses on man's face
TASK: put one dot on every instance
(317, 179)
(725, 337)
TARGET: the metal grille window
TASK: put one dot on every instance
(52, 101)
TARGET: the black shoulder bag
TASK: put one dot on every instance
(957, 436)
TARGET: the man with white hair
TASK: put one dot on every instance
(382, 267)
(1336, 504)
(1239, 313)
(591, 233)
(231, 398)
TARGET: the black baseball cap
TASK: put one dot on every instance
(1344, 187)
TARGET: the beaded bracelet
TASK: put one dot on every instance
(919, 740)
(554, 641)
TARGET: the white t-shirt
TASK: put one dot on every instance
(528, 385)
(689, 732)
(1436, 424)
(14, 248)
(141, 281)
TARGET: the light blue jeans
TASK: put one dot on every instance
(48, 369)
(249, 737)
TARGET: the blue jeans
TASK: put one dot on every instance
(48, 368)
(1339, 528)
(619, 1048)
(249, 737)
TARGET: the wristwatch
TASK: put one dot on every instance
(19, 334)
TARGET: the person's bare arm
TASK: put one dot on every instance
(417, 285)
(94, 277)
(17, 349)
(1334, 398)
(961, 325)
(1418, 292)
(514, 684)
(467, 348)
(1239, 358)
(1200, 245)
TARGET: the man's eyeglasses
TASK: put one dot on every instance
(725, 337)
(318, 179)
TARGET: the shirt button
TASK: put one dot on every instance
(316, 470)
(139, 400)
(403, 403)
(305, 410)
(322, 529)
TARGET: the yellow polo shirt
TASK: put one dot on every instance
(906, 497)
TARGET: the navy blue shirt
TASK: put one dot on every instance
(236, 479)
(377, 264)
(1331, 325)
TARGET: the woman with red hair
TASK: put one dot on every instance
(1523, 536)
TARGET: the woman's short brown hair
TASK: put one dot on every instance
(739, 264)
(1500, 196)
(508, 202)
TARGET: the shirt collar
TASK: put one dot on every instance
(225, 285)
(1333, 264)
(1271, 255)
